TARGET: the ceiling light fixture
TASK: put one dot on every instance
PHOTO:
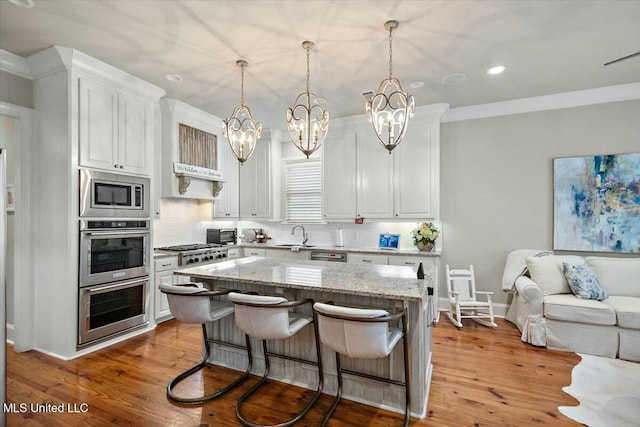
(389, 110)
(176, 78)
(496, 70)
(307, 121)
(241, 129)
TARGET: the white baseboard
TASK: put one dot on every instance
(11, 330)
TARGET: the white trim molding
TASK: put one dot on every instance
(625, 92)
(14, 64)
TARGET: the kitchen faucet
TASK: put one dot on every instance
(304, 234)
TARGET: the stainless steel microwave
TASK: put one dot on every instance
(105, 194)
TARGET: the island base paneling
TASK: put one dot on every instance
(302, 345)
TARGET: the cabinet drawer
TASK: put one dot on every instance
(367, 259)
(233, 253)
(254, 252)
(165, 263)
(411, 261)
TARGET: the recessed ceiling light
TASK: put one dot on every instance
(176, 78)
(23, 3)
(416, 85)
(496, 69)
(453, 79)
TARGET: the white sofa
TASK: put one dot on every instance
(548, 314)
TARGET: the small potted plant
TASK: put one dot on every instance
(424, 237)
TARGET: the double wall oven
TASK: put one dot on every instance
(114, 255)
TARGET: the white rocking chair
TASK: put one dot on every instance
(461, 289)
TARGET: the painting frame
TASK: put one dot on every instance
(596, 203)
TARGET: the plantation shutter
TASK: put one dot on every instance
(303, 187)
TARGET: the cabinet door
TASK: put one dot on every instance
(162, 310)
(226, 206)
(367, 259)
(416, 173)
(98, 124)
(135, 134)
(255, 191)
(339, 177)
(375, 178)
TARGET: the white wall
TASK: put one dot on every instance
(497, 179)
(7, 140)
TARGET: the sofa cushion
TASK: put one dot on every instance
(627, 310)
(618, 276)
(583, 281)
(547, 272)
(569, 308)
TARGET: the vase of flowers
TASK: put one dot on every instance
(424, 237)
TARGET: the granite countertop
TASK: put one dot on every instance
(404, 252)
(383, 281)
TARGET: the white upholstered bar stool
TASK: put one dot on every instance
(192, 303)
(362, 333)
(269, 318)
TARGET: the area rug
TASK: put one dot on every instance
(608, 391)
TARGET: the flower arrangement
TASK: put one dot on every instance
(425, 236)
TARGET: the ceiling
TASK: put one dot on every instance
(547, 46)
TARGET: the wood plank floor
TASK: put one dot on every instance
(481, 377)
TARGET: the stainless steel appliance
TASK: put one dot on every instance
(222, 236)
(113, 250)
(335, 256)
(110, 195)
(198, 253)
(112, 308)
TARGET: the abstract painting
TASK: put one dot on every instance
(596, 203)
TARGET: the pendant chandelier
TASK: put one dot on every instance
(241, 129)
(307, 121)
(390, 108)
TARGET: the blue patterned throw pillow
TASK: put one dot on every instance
(583, 281)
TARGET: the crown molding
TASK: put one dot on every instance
(14, 64)
(556, 101)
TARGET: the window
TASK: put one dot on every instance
(303, 191)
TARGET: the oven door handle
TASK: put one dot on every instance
(114, 286)
(116, 233)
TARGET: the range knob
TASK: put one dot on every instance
(196, 260)
(189, 261)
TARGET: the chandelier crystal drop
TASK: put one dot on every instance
(390, 108)
(307, 121)
(241, 129)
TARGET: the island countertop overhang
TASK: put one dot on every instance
(381, 281)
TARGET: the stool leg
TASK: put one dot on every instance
(407, 371)
(334, 405)
(195, 368)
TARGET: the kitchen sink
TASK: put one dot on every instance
(291, 245)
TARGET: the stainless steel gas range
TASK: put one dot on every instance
(199, 253)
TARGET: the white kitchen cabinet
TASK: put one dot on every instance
(234, 253)
(416, 173)
(374, 178)
(357, 258)
(254, 252)
(260, 180)
(227, 203)
(163, 274)
(339, 177)
(115, 128)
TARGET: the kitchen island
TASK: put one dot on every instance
(377, 286)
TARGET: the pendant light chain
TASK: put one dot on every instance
(390, 53)
(242, 85)
(308, 66)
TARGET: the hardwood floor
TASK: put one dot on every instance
(481, 377)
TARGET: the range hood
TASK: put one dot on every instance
(190, 140)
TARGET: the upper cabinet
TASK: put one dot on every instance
(260, 179)
(227, 204)
(339, 189)
(115, 128)
(361, 178)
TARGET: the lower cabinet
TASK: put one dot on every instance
(287, 254)
(163, 273)
(254, 252)
(356, 258)
(234, 253)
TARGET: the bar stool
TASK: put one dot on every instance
(268, 318)
(192, 303)
(362, 333)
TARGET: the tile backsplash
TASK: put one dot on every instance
(186, 221)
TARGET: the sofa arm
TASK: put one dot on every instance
(531, 292)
